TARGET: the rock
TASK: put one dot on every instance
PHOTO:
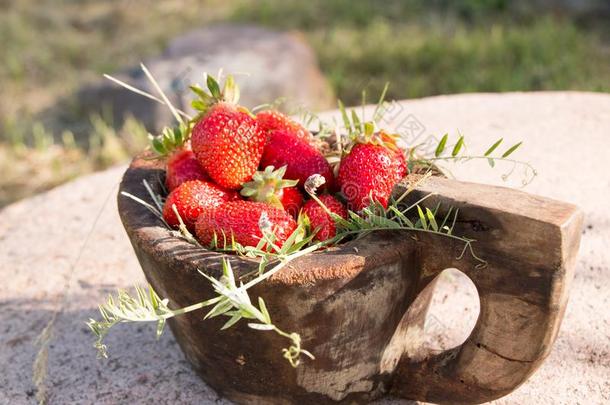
(278, 64)
(41, 238)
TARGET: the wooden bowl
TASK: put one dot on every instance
(355, 304)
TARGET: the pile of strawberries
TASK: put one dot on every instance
(233, 173)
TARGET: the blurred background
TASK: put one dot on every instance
(60, 119)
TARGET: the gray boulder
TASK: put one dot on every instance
(267, 65)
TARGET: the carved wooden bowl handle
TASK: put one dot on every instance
(530, 245)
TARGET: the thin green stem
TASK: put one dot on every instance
(458, 158)
(185, 310)
(283, 262)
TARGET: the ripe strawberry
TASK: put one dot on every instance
(292, 200)
(241, 220)
(401, 165)
(370, 171)
(300, 158)
(269, 186)
(270, 120)
(226, 140)
(320, 219)
(191, 199)
(183, 166)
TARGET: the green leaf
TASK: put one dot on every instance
(441, 145)
(199, 105)
(422, 218)
(431, 219)
(378, 113)
(178, 139)
(219, 309)
(234, 319)
(458, 146)
(168, 141)
(493, 147)
(158, 146)
(231, 91)
(511, 150)
(346, 122)
(402, 217)
(491, 162)
(160, 327)
(263, 309)
(369, 128)
(214, 87)
(199, 92)
(356, 121)
(261, 326)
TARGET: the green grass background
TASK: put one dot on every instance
(51, 47)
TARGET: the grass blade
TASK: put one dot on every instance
(422, 218)
(458, 146)
(511, 150)
(441, 145)
(431, 219)
(493, 147)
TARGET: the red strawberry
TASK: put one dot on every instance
(226, 140)
(228, 145)
(300, 158)
(320, 219)
(270, 187)
(191, 199)
(292, 200)
(270, 120)
(183, 166)
(241, 220)
(367, 171)
(401, 164)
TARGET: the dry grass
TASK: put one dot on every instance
(28, 170)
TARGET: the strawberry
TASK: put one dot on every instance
(370, 171)
(226, 139)
(320, 219)
(270, 120)
(270, 187)
(241, 220)
(401, 165)
(292, 200)
(183, 166)
(300, 158)
(191, 199)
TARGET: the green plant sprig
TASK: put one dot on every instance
(232, 301)
(455, 154)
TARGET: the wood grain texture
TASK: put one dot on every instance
(530, 244)
(353, 304)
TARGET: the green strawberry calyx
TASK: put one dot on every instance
(206, 98)
(171, 139)
(266, 184)
(370, 135)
